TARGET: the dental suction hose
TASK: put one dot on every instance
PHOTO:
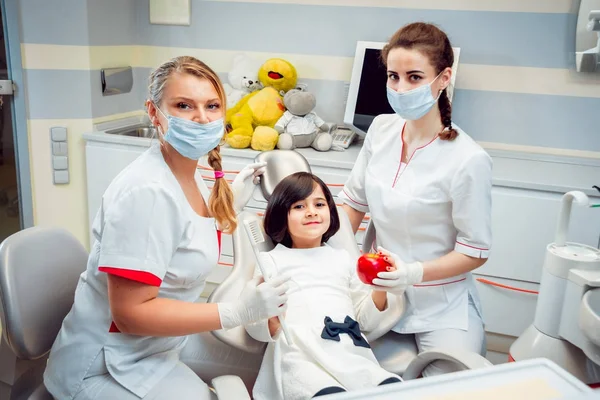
(561, 258)
(560, 238)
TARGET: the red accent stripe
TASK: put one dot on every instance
(354, 201)
(441, 284)
(211, 179)
(411, 156)
(113, 328)
(219, 240)
(516, 289)
(473, 247)
(510, 358)
(138, 276)
(594, 385)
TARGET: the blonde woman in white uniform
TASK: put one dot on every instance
(157, 239)
(427, 185)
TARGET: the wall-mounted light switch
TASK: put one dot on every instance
(58, 134)
(60, 155)
(60, 163)
(61, 177)
(59, 148)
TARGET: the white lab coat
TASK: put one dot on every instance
(438, 202)
(324, 283)
(146, 231)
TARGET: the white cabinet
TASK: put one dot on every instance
(526, 196)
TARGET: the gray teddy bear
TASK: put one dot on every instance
(300, 126)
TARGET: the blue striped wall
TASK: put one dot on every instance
(542, 40)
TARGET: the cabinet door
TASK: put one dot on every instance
(524, 223)
(104, 161)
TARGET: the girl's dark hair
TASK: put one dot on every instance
(435, 45)
(294, 188)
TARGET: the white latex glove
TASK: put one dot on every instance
(244, 183)
(404, 275)
(258, 301)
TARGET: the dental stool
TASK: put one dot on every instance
(396, 353)
(39, 271)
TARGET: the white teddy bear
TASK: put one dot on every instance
(243, 79)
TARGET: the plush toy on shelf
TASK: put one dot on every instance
(261, 109)
(243, 79)
(300, 126)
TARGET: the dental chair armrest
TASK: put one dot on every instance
(465, 360)
(230, 387)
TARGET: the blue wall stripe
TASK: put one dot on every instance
(523, 119)
(54, 22)
(494, 38)
(114, 22)
(78, 94)
(529, 119)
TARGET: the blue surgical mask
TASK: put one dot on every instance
(413, 104)
(192, 139)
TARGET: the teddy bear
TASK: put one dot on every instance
(243, 79)
(300, 126)
(262, 108)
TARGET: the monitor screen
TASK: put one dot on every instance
(371, 99)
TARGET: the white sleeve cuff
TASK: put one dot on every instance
(472, 251)
(352, 202)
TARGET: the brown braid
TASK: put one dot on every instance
(448, 133)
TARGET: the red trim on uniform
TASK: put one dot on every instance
(510, 358)
(219, 240)
(441, 284)
(594, 385)
(354, 201)
(113, 328)
(411, 156)
(138, 276)
(473, 247)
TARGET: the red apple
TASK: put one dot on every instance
(369, 265)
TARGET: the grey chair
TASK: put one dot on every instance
(396, 353)
(39, 271)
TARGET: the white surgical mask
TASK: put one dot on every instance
(192, 139)
(413, 104)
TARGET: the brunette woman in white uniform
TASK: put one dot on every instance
(427, 185)
(157, 240)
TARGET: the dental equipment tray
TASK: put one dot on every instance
(537, 379)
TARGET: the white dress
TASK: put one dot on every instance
(324, 284)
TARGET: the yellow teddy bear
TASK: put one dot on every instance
(254, 116)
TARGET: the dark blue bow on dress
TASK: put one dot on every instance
(332, 331)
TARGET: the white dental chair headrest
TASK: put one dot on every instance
(280, 163)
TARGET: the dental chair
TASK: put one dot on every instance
(396, 353)
(39, 271)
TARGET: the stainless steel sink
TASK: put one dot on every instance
(144, 131)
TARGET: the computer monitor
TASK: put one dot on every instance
(367, 97)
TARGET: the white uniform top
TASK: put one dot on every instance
(439, 202)
(146, 231)
(300, 125)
